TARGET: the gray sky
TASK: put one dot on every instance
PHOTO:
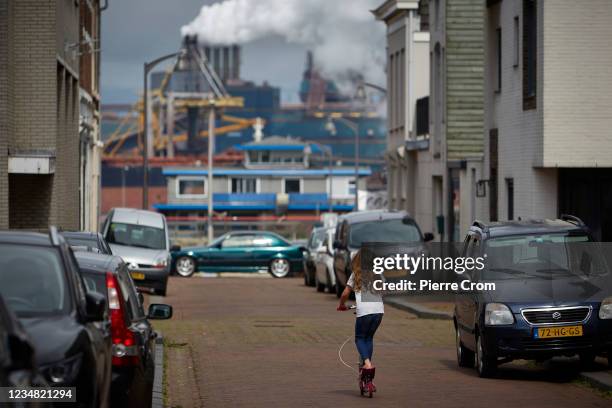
(135, 31)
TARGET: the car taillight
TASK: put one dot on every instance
(125, 351)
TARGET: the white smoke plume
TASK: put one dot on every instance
(344, 36)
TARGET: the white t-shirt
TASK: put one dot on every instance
(372, 306)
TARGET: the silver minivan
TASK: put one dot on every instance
(141, 238)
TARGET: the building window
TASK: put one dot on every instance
(292, 186)
(244, 185)
(516, 46)
(351, 188)
(530, 44)
(191, 187)
(498, 50)
(510, 196)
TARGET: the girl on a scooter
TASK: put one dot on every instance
(369, 315)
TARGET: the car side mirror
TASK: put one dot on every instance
(175, 248)
(428, 236)
(141, 298)
(159, 311)
(95, 306)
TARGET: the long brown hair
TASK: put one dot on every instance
(356, 268)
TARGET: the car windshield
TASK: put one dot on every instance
(134, 235)
(317, 239)
(389, 231)
(32, 280)
(543, 255)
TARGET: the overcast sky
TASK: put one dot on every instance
(135, 31)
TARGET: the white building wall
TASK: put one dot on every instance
(520, 131)
(577, 99)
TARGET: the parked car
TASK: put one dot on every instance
(93, 241)
(552, 295)
(317, 236)
(17, 361)
(41, 284)
(323, 260)
(141, 239)
(354, 229)
(244, 251)
(132, 334)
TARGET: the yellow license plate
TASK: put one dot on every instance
(138, 276)
(557, 331)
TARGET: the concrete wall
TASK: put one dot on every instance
(520, 131)
(577, 96)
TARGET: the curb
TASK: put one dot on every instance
(601, 380)
(422, 312)
(158, 378)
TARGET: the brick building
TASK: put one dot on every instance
(548, 116)
(40, 177)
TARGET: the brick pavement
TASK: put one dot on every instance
(273, 342)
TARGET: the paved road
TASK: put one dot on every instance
(273, 342)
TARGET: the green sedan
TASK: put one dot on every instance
(244, 251)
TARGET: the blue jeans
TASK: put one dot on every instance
(365, 327)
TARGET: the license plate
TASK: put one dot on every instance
(138, 276)
(558, 331)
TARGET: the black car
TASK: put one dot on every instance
(552, 294)
(132, 334)
(17, 363)
(88, 240)
(356, 228)
(41, 284)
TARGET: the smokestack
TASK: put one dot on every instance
(216, 60)
(236, 62)
(226, 64)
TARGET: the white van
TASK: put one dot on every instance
(141, 238)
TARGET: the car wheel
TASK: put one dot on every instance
(185, 266)
(279, 268)
(320, 286)
(485, 364)
(465, 356)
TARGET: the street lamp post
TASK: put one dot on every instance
(211, 147)
(148, 66)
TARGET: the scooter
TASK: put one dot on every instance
(365, 375)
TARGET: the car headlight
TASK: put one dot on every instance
(497, 314)
(605, 309)
(161, 263)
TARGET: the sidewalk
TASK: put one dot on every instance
(425, 307)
